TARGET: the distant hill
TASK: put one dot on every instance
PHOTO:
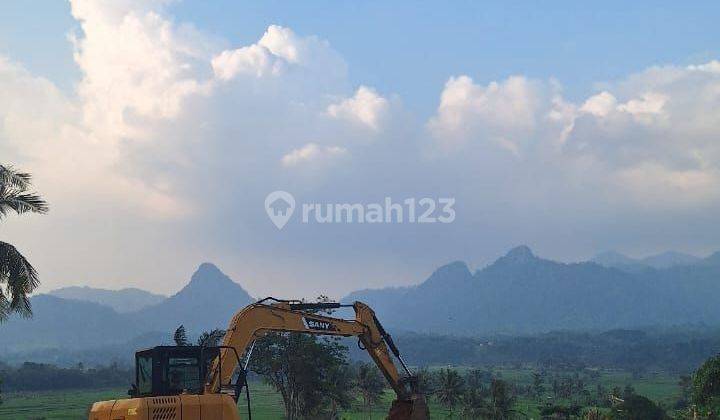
(521, 293)
(208, 301)
(670, 259)
(122, 301)
(661, 261)
(66, 323)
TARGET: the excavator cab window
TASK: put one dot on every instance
(172, 370)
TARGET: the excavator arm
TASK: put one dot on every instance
(256, 320)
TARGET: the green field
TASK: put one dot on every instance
(66, 405)
(267, 404)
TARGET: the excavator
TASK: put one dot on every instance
(205, 383)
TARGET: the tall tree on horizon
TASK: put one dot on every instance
(180, 336)
(18, 278)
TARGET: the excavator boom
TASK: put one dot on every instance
(256, 320)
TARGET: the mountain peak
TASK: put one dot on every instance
(712, 259)
(450, 275)
(521, 253)
(208, 272)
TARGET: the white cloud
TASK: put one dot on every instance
(137, 65)
(255, 59)
(312, 153)
(280, 51)
(366, 107)
(512, 114)
(600, 105)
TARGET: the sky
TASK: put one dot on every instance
(156, 130)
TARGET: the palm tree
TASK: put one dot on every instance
(473, 404)
(180, 336)
(211, 338)
(502, 399)
(449, 388)
(18, 277)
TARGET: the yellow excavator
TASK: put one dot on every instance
(205, 383)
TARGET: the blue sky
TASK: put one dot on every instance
(574, 128)
(412, 47)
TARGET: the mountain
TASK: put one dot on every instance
(519, 293)
(66, 323)
(660, 261)
(207, 302)
(670, 259)
(522, 293)
(711, 260)
(122, 301)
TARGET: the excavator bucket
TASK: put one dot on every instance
(415, 408)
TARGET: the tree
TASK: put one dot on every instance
(502, 399)
(685, 384)
(339, 388)
(476, 378)
(370, 384)
(210, 338)
(424, 381)
(473, 404)
(18, 278)
(450, 388)
(180, 337)
(639, 407)
(308, 372)
(537, 384)
(706, 387)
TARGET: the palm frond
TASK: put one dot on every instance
(10, 177)
(18, 278)
(20, 202)
(210, 338)
(180, 337)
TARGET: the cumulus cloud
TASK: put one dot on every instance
(281, 52)
(366, 107)
(599, 105)
(507, 113)
(135, 63)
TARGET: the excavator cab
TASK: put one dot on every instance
(172, 370)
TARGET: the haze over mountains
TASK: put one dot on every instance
(122, 301)
(519, 293)
(660, 261)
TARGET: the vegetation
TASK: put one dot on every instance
(706, 387)
(680, 350)
(449, 388)
(210, 338)
(18, 277)
(310, 373)
(267, 402)
(370, 385)
(180, 337)
(311, 377)
(39, 377)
